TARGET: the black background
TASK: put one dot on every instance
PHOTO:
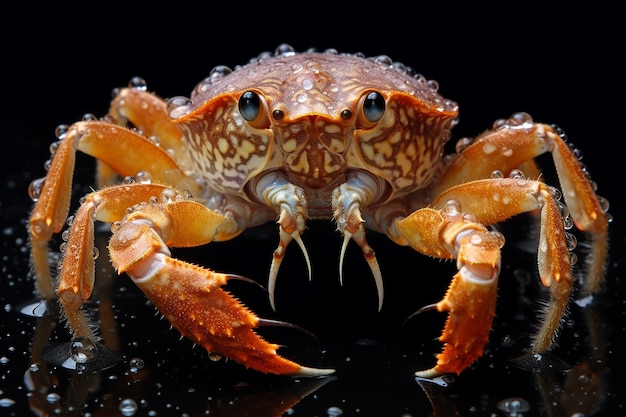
(561, 65)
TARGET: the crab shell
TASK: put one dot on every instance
(313, 123)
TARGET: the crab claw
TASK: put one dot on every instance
(471, 298)
(190, 297)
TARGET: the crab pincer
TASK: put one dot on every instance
(191, 297)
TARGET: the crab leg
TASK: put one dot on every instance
(513, 144)
(53, 200)
(190, 297)
(453, 228)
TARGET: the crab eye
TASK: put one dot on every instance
(373, 106)
(278, 114)
(249, 105)
(252, 108)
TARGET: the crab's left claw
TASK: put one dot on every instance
(471, 298)
(447, 230)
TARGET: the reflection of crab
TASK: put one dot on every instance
(292, 136)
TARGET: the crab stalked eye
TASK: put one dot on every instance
(253, 109)
(373, 106)
(249, 105)
(278, 114)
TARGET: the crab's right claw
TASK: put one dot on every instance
(190, 297)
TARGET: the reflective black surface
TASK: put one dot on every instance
(556, 80)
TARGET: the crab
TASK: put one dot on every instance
(292, 136)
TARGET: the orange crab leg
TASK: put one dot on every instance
(513, 145)
(53, 201)
(190, 297)
(453, 228)
(147, 112)
(76, 274)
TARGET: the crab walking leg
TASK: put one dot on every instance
(513, 144)
(53, 200)
(190, 297)
(148, 113)
(453, 228)
(76, 272)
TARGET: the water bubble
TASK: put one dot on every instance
(604, 203)
(115, 226)
(462, 144)
(334, 411)
(53, 397)
(60, 131)
(452, 207)
(82, 350)
(219, 72)
(34, 189)
(143, 177)
(284, 50)
(178, 107)
(128, 407)
(215, 356)
(384, 60)
(497, 174)
(571, 241)
(514, 406)
(138, 83)
(433, 84)
(168, 195)
(135, 364)
(6, 402)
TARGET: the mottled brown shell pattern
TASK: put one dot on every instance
(312, 125)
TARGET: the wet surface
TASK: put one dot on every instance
(375, 354)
